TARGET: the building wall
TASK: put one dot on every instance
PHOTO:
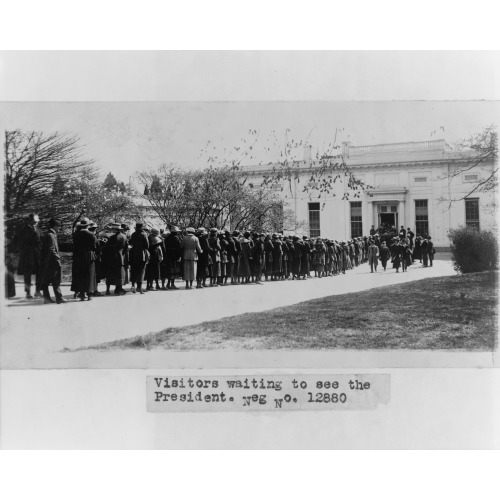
(399, 174)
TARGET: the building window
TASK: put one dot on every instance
(420, 179)
(394, 209)
(356, 219)
(383, 209)
(421, 218)
(471, 177)
(472, 212)
(314, 228)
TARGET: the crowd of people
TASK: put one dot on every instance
(151, 259)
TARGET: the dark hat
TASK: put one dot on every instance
(174, 229)
(92, 225)
(139, 225)
(246, 234)
(154, 231)
(295, 238)
(214, 230)
(115, 225)
(236, 232)
(84, 222)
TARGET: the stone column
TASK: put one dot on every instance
(369, 219)
(402, 215)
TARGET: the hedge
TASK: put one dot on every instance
(473, 250)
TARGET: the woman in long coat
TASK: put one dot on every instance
(171, 260)
(214, 244)
(138, 257)
(155, 259)
(244, 270)
(268, 250)
(84, 279)
(204, 260)
(225, 266)
(396, 255)
(318, 257)
(190, 249)
(277, 257)
(116, 259)
(297, 256)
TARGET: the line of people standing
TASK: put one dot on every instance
(150, 259)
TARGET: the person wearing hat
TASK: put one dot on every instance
(116, 260)
(232, 258)
(50, 264)
(285, 245)
(215, 248)
(138, 257)
(30, 255)
(171, 262)
(373, 256)
(203, 268)
(155, 259)
(225, 266)
(385, 254)
(84, 279)
(424, 251)
(268, 251)
(430, 250)
(396, 254)
(417, 251)
(191, 249)
(277, 258)
(244, 270)
(318, 258)
(258, 257)
(410, 235)
(98, 266)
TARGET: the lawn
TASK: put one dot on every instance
(453, 313)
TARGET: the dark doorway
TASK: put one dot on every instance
(387, 219)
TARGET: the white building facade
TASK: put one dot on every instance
(405, 184)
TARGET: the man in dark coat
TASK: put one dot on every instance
(50, 267)
(424, 252)
(117, 259)
(430, 250)
(29, 259)
(402, 233)
(417, 252)
(84, 281)
(138, 256)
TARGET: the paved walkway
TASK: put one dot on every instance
(34, 334)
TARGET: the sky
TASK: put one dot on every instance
(126, 137)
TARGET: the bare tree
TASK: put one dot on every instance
(478, 151)
(33, 160)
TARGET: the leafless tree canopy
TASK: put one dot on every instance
(214, 197)
(479, 150)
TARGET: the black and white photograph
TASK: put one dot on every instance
(246, 226)
(253, 238)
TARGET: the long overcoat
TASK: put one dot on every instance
(50, 265)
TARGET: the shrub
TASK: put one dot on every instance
(473, 250)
